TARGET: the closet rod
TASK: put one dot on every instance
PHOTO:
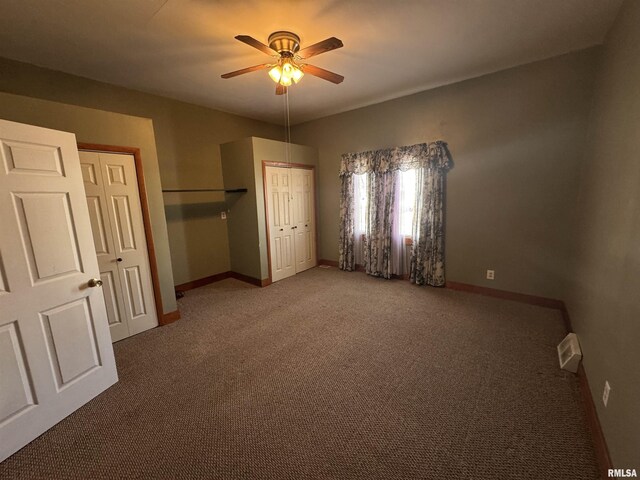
(226, 190)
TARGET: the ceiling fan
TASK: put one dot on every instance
(287, 69)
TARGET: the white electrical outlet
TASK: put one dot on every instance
(223, 215)
(491, 274)
(605, 393)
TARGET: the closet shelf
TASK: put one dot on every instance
(225, 190)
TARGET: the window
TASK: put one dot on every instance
(360, 197)
(387, 219)
(407, 190)
(406, 196)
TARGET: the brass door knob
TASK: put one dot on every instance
(95, 282)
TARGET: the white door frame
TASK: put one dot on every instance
(265, 164)
(146, 220)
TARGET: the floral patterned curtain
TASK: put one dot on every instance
(346, 260)
(431, 161)
(427, 251)
(397, 158)
(381, 194)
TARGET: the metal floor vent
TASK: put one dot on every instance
(569, 353)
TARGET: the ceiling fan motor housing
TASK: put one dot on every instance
(285, 43)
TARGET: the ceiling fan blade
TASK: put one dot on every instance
(245, 70)
(320, 47)
(256, 44)
(281, 89)
(322, 73)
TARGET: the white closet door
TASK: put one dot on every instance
(116, 221)
(55, 348)
(104, 243)
(304, 218)
(281, 231)
(130, 245)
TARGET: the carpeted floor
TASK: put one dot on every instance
(330, 375)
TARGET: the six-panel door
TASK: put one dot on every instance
(304, 218)
(118, 231)
(281, 227)
(291, 216)
(55, 347)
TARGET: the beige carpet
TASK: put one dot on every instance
(330, 375)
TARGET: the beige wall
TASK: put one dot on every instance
(95, 126)
(603, 298)
(188, 141)
(516, 138)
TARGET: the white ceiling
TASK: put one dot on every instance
(179, 48)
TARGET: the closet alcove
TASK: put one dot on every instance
(273, 227)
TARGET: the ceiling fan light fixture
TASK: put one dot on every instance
(291, 71)
(275, 73)
(297, 74)
(285, 80)
(285, 48)
(286, 72)
(287, 67)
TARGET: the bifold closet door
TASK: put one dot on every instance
(292, 220)
(281, 226)
(118, 232)
(303, 198)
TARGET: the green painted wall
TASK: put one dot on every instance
(516, 137)
(188, 141)
(95, 126)
(603, 295)
(244, 243)
(552, 210)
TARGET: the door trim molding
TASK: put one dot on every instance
(170, 317)
(268, 163)
(146, 221)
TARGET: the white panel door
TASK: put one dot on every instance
(129, 293)
(104, 243)
(281, 228)
(303, 196)
(55, 347)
